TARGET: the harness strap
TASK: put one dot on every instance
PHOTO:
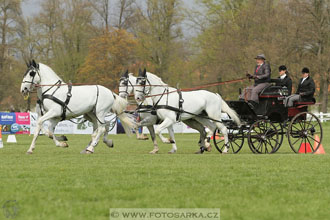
(68, 97)
(58, 101)
(39, 102)
(178, 114)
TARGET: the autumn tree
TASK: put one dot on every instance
(109, 55)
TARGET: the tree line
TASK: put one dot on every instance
(95, 41)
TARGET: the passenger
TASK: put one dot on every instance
(261, 78)
(284, 79)
(305, 90)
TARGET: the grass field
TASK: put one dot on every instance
(57, 183)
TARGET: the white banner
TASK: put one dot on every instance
(74, 127)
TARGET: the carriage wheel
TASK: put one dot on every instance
(303, 131)
(279, 128)
(264, 137)
(235, 140)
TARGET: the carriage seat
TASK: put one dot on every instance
(305, 102)
(273, 91)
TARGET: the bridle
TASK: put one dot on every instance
(36, 72)
(143, 81)
(126, 82)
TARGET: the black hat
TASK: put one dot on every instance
(261, 56)
(305, 70)
(282, 68)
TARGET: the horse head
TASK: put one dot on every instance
(30, 79)
(142, 89)
(125, 85)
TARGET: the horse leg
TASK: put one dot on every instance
(40, 121)
(164, 139)
(153, 138)
(50, 133)
(92, 118)
(107, 141)
(211, 126)
(172, 140)
(200, 128)
(95, 140)
(221, 127)
(151, 120)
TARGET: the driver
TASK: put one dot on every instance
(261, 78)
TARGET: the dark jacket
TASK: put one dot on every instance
(263, 74)
(306, 89)
(287, 82)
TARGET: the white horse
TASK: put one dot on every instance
(201, 105)
(126, 87)
(65, 102)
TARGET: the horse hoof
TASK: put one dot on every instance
(64, 145)
(172, 152)
(153, 152)
(209, 148)
(62, 138)
(86, 152)
(29, 152)
(109, 143)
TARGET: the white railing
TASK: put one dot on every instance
(323, 116)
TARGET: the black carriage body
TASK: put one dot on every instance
(270, 106)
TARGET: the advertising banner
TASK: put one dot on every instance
(15, 123)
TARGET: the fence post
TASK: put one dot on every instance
(321, 117)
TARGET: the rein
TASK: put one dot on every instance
(197, 87)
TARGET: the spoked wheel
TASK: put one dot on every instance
(264, 137)
(305, 133)
(235, 140)
(279, 128)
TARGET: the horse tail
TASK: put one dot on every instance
(126, 120)
(232, 113)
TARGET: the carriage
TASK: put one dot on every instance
(265, 126)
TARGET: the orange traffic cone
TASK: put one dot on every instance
(321, 149)
(216, 137)
(305, 148)
(1, 143)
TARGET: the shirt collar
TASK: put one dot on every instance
(283, 76)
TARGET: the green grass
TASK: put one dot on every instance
(56, 183)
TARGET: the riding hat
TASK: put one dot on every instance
(305, 70)
(261, 56)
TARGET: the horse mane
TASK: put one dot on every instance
(156, 78)
(44, 67)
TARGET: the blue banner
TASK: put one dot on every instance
(15, 123)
